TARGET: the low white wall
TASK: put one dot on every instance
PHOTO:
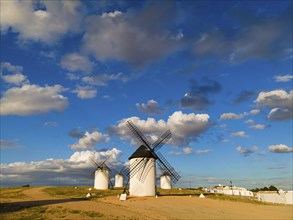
(281, 198)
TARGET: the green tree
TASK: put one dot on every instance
(273, 188)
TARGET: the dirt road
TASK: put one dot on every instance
(38, 204)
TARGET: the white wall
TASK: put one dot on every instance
(101, 179)
(283, 198)
(118, 180)
(143, 183)
(165, 182)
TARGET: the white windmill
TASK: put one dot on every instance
(119, 178)
(102, 174)
(166, 182)
(142, 172)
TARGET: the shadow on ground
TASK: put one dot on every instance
(17, 206)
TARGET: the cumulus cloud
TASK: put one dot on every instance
(9, 144)
(188, 150)
(243, 96)
(254, 111)
(265, 37)
(90, 140)
(185, 128)
(198, 96)
(85, 92)
(258, 127)
(135, 38)
(103, 79)
(71, 171)
(72, 76)
(12, 74)
(76, 133)
(32, 99)
(280, 101)
(280, 114)
(283, 78)
(231, 116)
(280, 148)
(275, 99)
(246, 151)
(49, 24)
(151, 108)
(76, 62)
(238, 134)
(249, 121)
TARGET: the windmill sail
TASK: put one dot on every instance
(153, 150)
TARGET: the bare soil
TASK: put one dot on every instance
(37, 204)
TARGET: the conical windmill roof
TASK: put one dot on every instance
(142, 151)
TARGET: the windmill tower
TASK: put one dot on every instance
(119, 178)
(102, 174)
(165, 181)
(142, 180)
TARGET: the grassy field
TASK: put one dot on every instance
(10, 208)
(80, 192)
(10, 193)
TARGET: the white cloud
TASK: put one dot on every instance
(275, 99)
(85, 92)
(258, 127)
(280, 148)
(246, 151)
(254, 111)
(227, 116)
(103, 79)
(135, 38)
(280, 101)
(185, 128)
(51, 124)
(249, 121)
(238, 134)
(284, 78)
(152, 107)
(69, 171)
(90, 140)
(32, 99)
(9, 144)
(255, 40)
(12, 74)
(188, 150)
(76, 62)
(72, 76)
(48, 25)
(280, 114)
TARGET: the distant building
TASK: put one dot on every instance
(228, 190)
(281, 197)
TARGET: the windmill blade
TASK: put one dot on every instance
(146, 171)
(134, 169)
(126, 170)
(102, 164)
(143, 169)
(107, 167)
(111, 184)
(91, 174)
(162, 140)
(138, 134)
(93, 161)
(167, 168)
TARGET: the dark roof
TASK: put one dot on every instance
(142, 151)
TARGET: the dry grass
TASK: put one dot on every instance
(72, 192)
(11, 193)
(41, 212)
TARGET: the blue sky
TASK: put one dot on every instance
(218, 74)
